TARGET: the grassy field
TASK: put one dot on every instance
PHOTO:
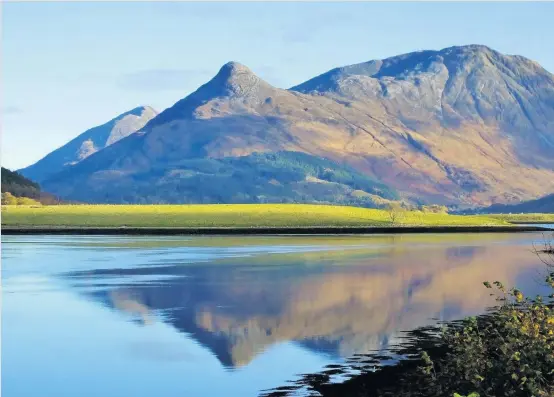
(221, 215)
(523, 218)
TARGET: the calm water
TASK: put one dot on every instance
(229, 316)
(545, 225)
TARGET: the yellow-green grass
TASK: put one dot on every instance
(522, 218)
(223, 215)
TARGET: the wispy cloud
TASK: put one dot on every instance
(11, 110)
(161, 79)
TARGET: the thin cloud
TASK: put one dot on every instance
(11, 110)
(160, 79)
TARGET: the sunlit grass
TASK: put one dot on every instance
(223, 215)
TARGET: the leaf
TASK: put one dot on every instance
(523, 380)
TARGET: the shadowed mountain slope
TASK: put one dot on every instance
(18, 185)
(542, 205)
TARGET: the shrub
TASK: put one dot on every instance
(26, 201)
(435, 209)
(8, 199)
(509, 352)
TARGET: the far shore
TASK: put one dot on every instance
(251, 219)
(316, 230)
(530, 222)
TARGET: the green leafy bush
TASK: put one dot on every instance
(509, 352)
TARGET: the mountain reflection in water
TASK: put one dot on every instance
(339, 296)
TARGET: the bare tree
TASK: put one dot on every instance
(545, 251)
(395, 212)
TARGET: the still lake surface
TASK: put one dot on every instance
(230, 316)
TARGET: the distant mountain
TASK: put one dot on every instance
(463, 126)
(542, 205)
(90, 142)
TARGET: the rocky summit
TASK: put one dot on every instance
(463, 126)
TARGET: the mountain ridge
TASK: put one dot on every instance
(465, 126)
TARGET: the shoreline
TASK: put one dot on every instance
(530, 222)
(315, 230)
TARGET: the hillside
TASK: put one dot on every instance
(544, 205)
(282, 177)
(89, 142)
(463, 126)
(18, 185)
(21, 187)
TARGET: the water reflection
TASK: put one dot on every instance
(338, 296)
(196, 316)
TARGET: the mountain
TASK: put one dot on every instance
(483, 117)
(541, 205)
(89, 142)
(463, 126)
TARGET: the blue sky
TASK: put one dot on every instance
(67, 67)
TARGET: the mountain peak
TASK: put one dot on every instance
(448, 64)
(233, 81)
(236, 79)
(233, 67)
(470, 52)
(468, 48)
